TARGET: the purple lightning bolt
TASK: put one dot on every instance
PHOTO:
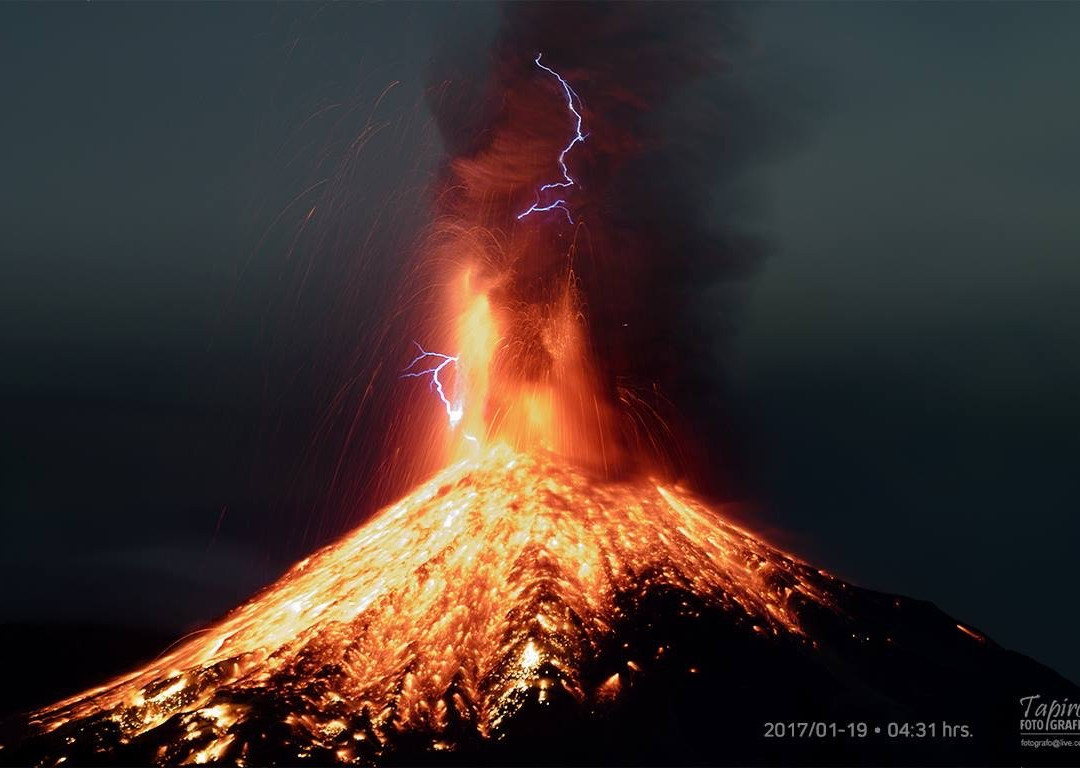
(454, 411)
(578, 137)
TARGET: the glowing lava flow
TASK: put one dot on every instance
(567, 181)
(503, 579)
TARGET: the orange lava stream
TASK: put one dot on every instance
(493, 581)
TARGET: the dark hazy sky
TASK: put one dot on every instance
(909, 362)
(904, 372)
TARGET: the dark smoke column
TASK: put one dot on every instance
(668, 127)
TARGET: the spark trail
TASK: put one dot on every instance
(454, 411)
(568, 180)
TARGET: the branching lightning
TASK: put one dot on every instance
(578, 137)
(454, 411)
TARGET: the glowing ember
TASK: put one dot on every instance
(497, 581)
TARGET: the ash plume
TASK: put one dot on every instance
(670, 130)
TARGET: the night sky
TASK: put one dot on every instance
(902, 371)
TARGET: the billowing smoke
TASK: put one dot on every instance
(657, 253)
(653, 251)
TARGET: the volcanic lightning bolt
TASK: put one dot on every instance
(454, 411)
(578, 137)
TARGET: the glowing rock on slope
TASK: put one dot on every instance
(496, 581)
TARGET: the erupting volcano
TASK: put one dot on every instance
(516, 608)
(552, 593)
(498, 584)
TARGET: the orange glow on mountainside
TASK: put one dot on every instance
(495, 581)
